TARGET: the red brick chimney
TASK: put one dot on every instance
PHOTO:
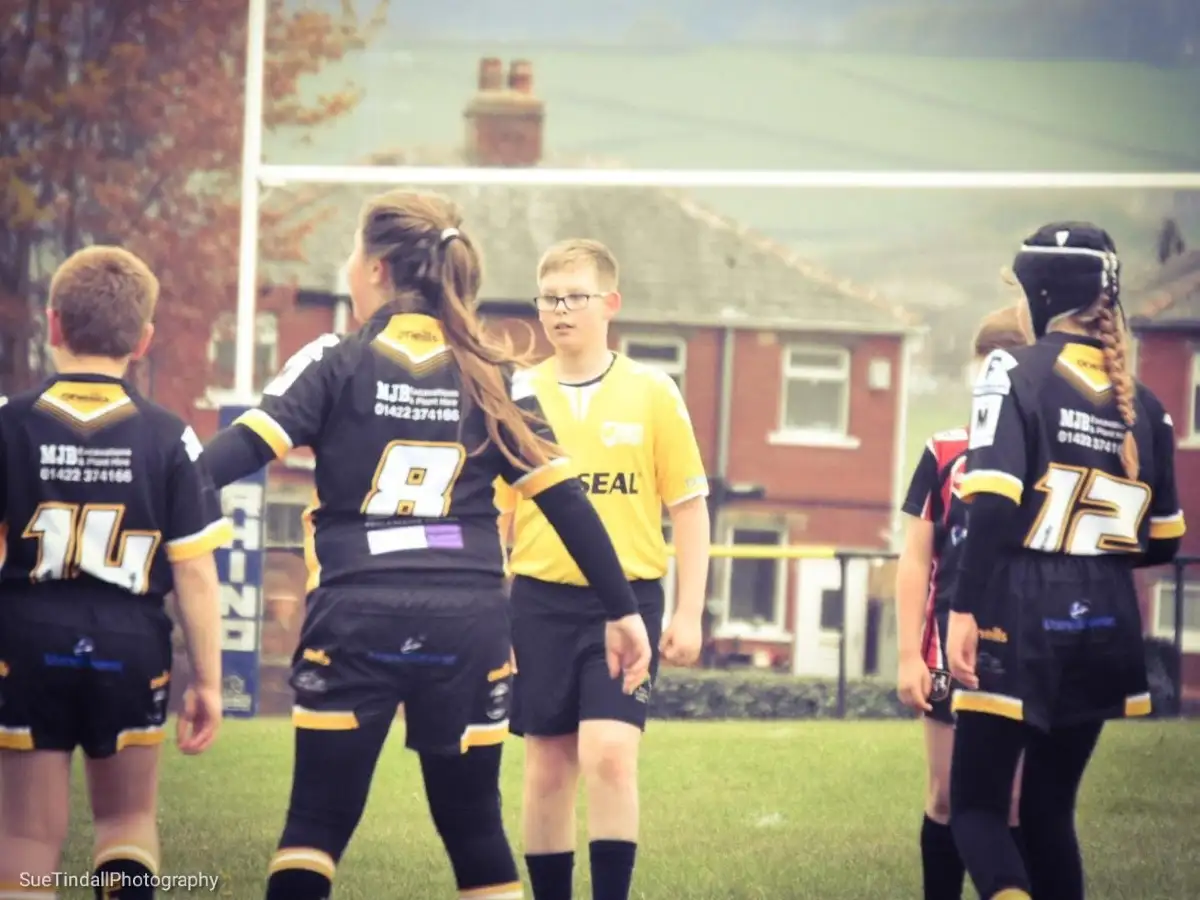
(504, 124)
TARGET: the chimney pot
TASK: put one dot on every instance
(504, 126)
(491, 74)
(520, 76)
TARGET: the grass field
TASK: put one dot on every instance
(732, 811)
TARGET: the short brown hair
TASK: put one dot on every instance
(1000, 330)
(104, 296)
(574, 251)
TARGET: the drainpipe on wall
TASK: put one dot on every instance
(718, 483)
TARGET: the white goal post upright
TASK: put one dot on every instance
(252, 131)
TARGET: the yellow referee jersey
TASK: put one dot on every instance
(629, 436)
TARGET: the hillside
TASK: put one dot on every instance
(740, 107)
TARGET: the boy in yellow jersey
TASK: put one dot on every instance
(627, 430)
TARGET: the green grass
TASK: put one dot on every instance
(732, 811)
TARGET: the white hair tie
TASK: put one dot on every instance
(449, 234)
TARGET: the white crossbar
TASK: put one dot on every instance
(279, 175)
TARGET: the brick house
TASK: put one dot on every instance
(795, 379)
(1168, 362)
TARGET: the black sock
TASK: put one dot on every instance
(298, 884)
(985, 845)
(940, 863)
(612, 869)
(550, 874)
(124, 879)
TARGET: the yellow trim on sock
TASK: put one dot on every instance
(131, 852)
(510, 891)
(309, 859)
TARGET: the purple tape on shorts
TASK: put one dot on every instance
(444, 537)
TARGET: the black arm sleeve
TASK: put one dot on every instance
(233, 454)
(989, 521)
(570, 513)
(1159, 552)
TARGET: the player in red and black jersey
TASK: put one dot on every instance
(1070, 476)
(411, 420)
(103, 511)
(934, 536)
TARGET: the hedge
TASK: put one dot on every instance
(750, 694)
(754, 694)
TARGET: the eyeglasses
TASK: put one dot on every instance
(571, 302)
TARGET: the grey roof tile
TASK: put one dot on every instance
(680, 261)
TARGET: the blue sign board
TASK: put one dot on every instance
(240, 570)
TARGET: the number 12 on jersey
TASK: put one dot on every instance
(415, 478)
(75, 539)
(1087, 512)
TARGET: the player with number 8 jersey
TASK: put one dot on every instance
(411, 419)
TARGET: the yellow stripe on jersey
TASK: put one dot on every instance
(631, 443)
(543, 478)
(1164, 528)
(218, 534)
(86, 407)
(990, 481)
(268, 429)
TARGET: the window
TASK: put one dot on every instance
(1164, 613)
(285, 525)
(222, 349)
(1194, 397)
(832, 610)
(755, 586)
(667, 354)
(816, 390)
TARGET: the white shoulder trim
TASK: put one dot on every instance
(993, 374)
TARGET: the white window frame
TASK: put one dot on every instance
(677, 369)
(1193, 433)
(1163, 595)
(776, 629)
(839, 370)
(266, 324)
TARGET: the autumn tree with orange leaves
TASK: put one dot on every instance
(121, 123)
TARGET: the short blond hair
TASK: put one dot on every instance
(1000, 330)
(104, 297)
(575, 251)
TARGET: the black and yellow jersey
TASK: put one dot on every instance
(1046, 433)
(404, 467)
(100, 489)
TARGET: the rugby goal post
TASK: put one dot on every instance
(241, 567)
(256, 174)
